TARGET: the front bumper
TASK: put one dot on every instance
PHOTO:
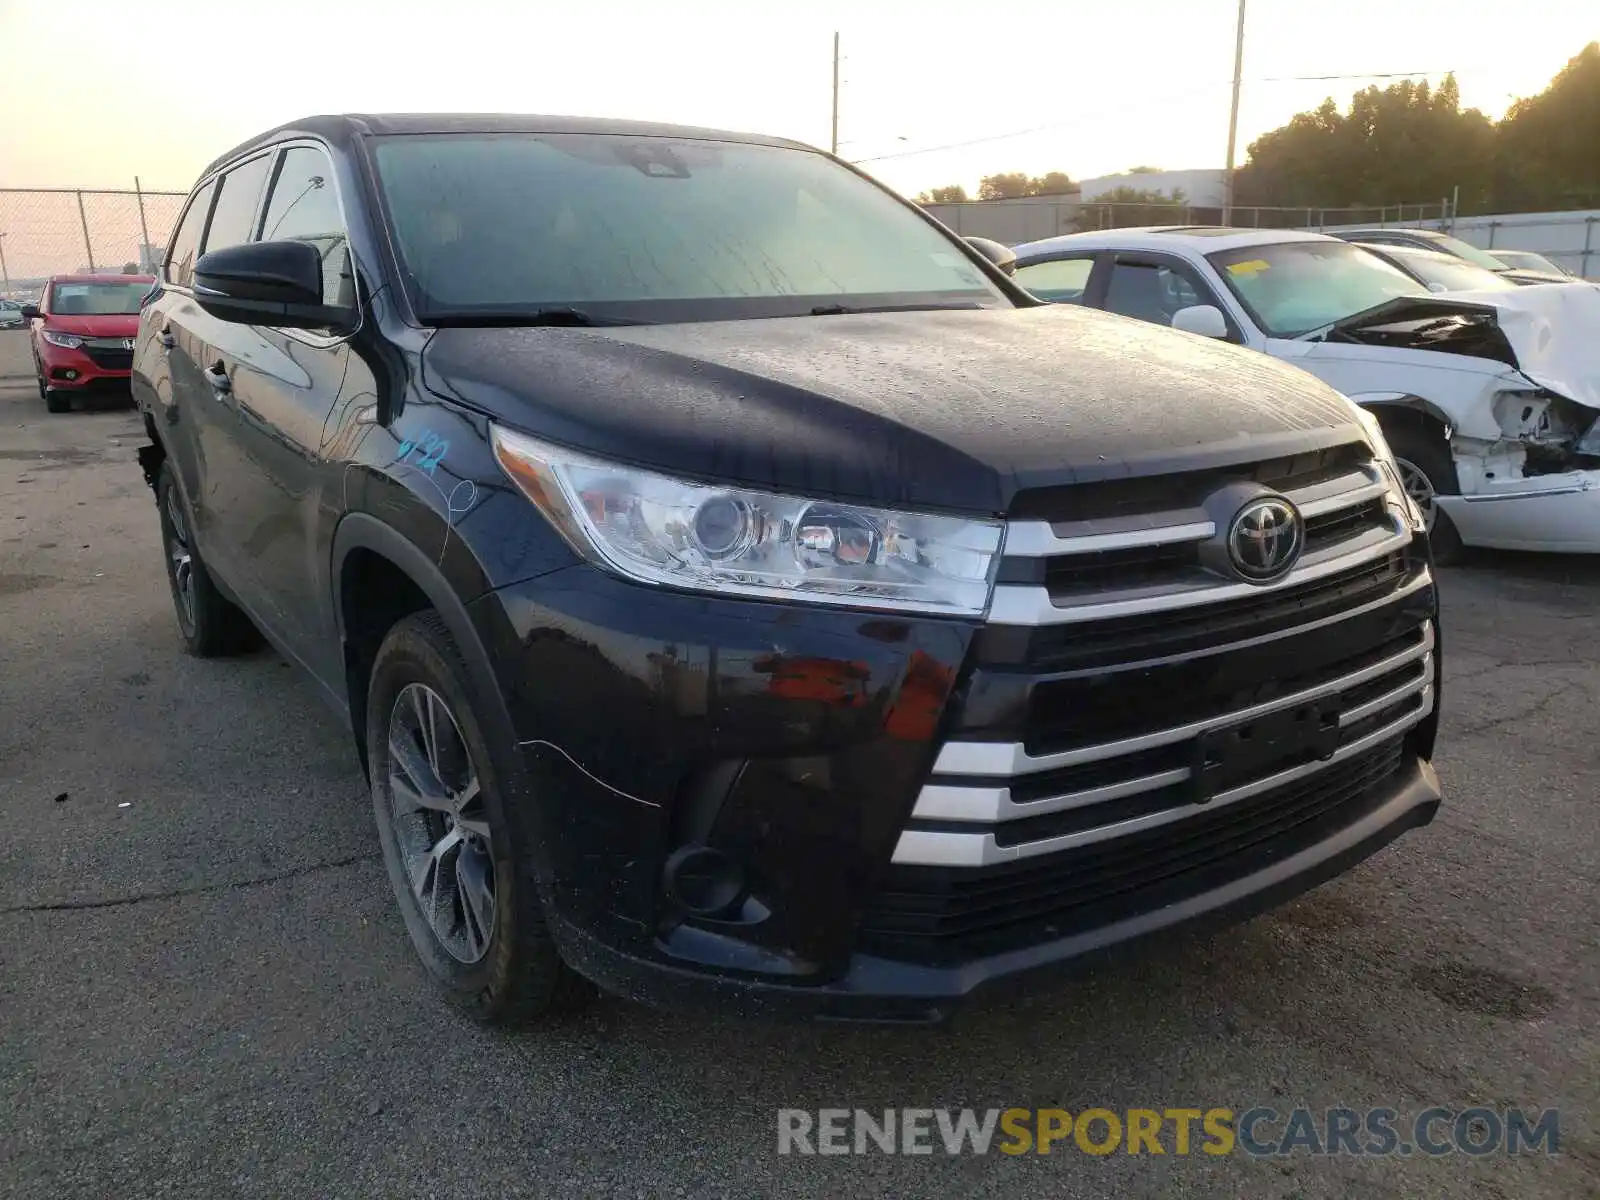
(798, 742)
(883, 990)
(1559, 514)
(80, 369)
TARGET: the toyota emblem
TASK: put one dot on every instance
(1265, 539)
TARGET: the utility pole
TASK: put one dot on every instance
(5, 275)
(1233, 118)
(144, 229)
(833, 145)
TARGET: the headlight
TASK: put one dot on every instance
(1391, 470)
(67, 341)
(661, 530)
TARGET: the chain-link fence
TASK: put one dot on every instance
(53, 231)
(1030, 219)
(1122, 215)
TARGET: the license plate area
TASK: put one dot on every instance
(1287, 737)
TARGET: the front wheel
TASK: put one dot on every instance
(459, 863)
(54, 401)
(1428, 472)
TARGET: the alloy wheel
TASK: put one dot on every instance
(181, 556)
(440, 823)
(1420, 489)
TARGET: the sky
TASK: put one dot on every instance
(96, 92)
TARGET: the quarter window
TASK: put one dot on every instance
(186, 240)
(231, 222)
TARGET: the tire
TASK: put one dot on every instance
(54, 401)
(1427, 470)
(492, 957)
(212, 626)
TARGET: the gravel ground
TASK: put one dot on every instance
(207, 993)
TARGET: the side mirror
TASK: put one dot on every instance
(268, 283)
(1003, 257)
(1205, 319)
(30, 312)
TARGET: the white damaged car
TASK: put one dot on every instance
(1489, 399)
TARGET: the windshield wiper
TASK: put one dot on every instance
(836, 310)
(513, 318)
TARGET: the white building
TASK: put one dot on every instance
(1203, 188)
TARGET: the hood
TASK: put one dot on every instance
(117, 325)
(952, 409)
(1551, 333)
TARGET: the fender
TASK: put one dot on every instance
(1403, 400)
(362, 531)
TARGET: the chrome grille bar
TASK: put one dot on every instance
(1008, 759)
(1030, 605)
(1051, 539)
(939, 848)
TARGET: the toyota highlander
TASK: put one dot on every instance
(739, 591)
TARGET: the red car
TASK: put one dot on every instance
(82, 334)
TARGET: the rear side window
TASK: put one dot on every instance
(186, 240)
(304, 206)
(232, 220)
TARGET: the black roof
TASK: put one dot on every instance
(342, 129)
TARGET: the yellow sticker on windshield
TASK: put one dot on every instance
(1249, 268)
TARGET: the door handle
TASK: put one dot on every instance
(166, 339)
(217, 376)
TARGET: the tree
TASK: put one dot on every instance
(1547, 151)
(130, 268)
(1122, 207)
(1016, 184)
(1406, 142)
(1143, 171)
(954, 194)
(1052, 183)
(1012, 186)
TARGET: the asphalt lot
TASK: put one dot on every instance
(207, 993)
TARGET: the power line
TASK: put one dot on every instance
(1369, 75)
(1000, 137)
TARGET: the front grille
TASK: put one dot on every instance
(1174, 564)
(109, 355)
(934, 914)
(1138, 636)
(1138, 725)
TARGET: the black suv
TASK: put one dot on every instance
(739, 590)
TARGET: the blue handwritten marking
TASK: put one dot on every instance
(431, 448)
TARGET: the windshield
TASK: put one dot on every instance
(97, 299)
(1468, 251)
(1292, 288)
(655, 229)
(1445, 274)
(1527, 260)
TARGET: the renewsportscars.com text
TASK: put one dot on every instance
(1257, 1132)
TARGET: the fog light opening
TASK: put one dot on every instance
(701, 881)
